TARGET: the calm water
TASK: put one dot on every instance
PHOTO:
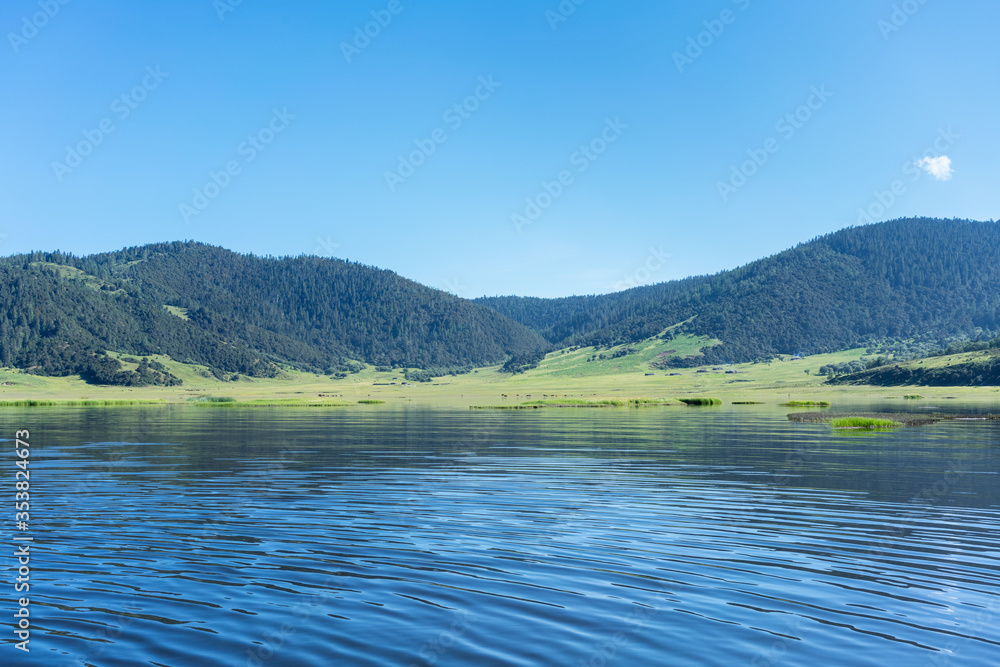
(664, 536)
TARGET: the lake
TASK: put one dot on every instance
(184, 536)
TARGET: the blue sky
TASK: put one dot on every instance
(590, 150)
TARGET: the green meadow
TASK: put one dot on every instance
(566, 378)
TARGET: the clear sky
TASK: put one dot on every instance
(593, 145)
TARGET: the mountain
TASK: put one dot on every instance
(924, 279)
(237, 314)
(886, 281)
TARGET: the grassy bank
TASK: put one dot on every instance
(581, 403)
(56, 403)
(273, 403)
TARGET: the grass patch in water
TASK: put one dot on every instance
(213, 399)
(913, 397)
(370, 401)
(579, 403)
(748, 402)
(640, 402)
(902, 418)
(701, 400)
(864, 422)
(806, 404)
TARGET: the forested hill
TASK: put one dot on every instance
(889, 280)
(238, 314)
(246, 315)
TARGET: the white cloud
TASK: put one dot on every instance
(938, 167)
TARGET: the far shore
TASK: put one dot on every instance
(743, 384)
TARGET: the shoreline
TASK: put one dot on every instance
(552, 382)
(485, 396)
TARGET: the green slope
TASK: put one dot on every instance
(641, 357)
(970, 369)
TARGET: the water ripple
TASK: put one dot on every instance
(630, 546)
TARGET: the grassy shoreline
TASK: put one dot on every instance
(565, 379)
